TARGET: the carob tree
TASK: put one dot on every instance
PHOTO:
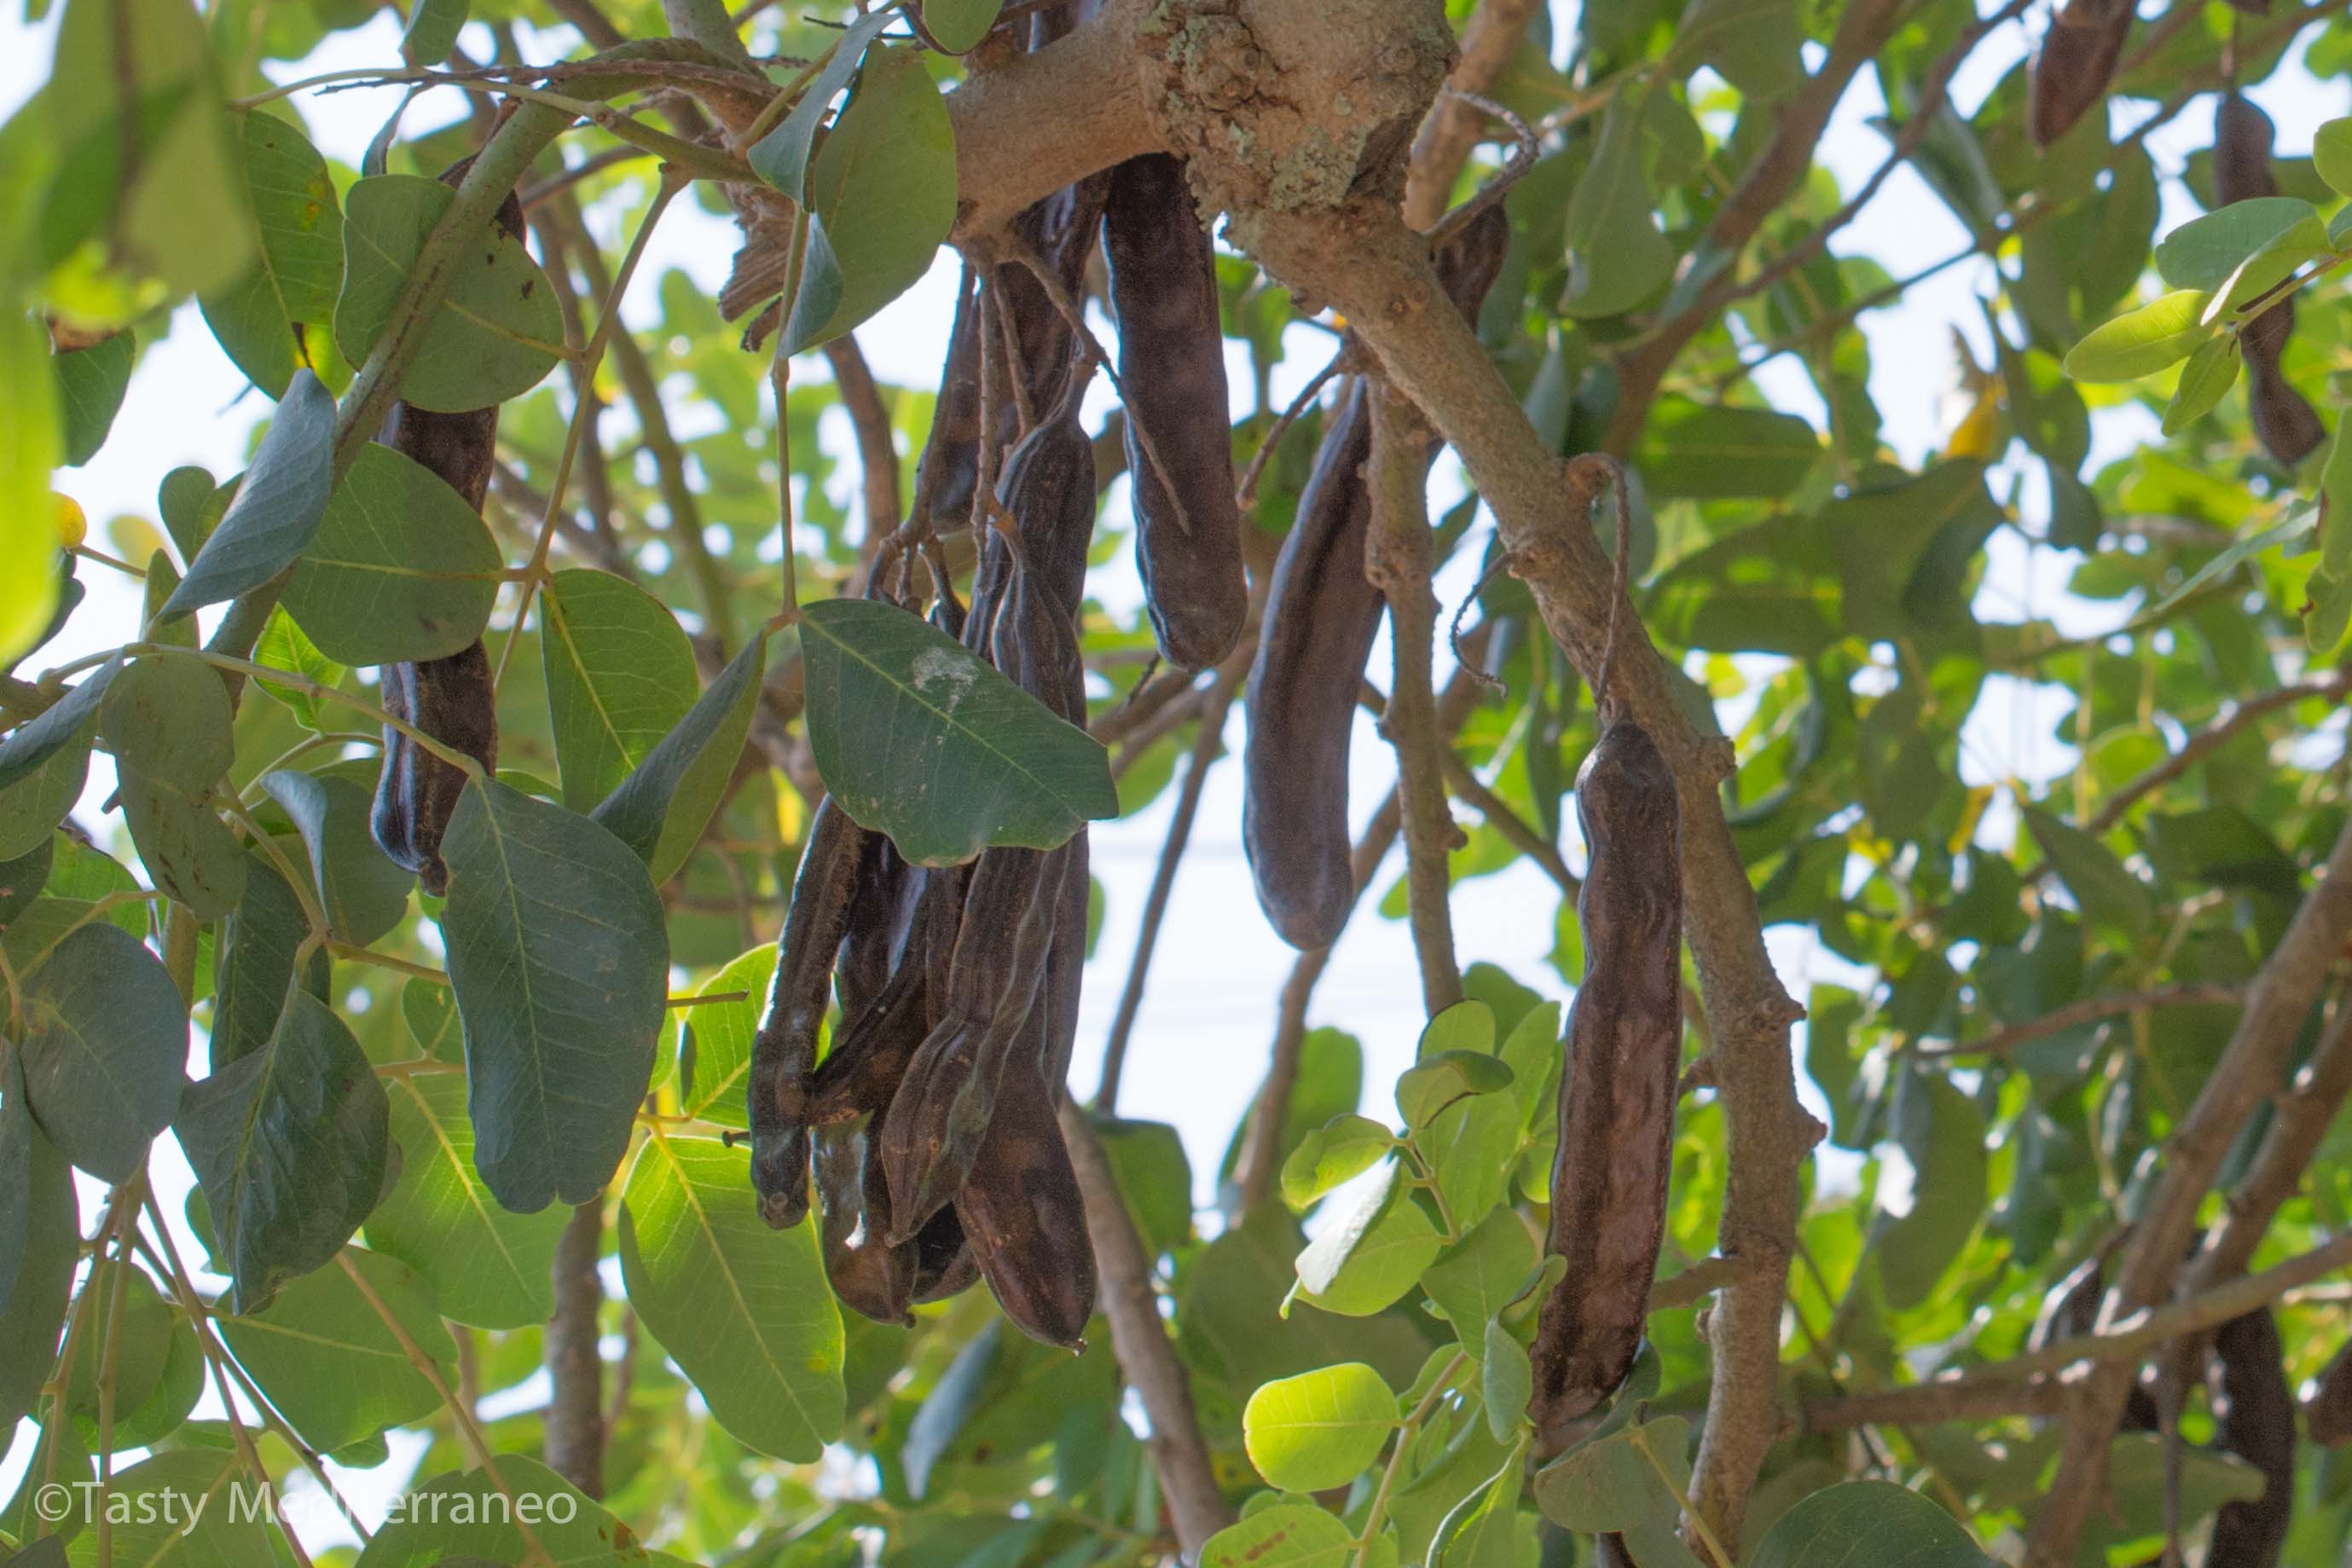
(575, 834)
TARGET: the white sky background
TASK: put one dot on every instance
(1200, 1040)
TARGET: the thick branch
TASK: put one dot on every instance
(1139, 1340)
(2300, 1118)
(1375, 272)
(2249, 1068)
(1398, 561)
(575, 1409)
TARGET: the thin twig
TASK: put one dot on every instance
(1139, 1340)
(2089, 1009)
(1245, 493)
(573, 1441)
(1398, 561)
(877, 454)
(1452, 127)
(1206, 747)
(2220, 732)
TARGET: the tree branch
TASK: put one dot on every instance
(1517, 830)
(1398, 561)
(2249, 1068)
(574, 1442)
(2090, 1010)
(1215, 704)
(2008, 1386)
(2300, 1118)
(2212, 738)
(877, 454)
(1453, 127)
(1139, 1340)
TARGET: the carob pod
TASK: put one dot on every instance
(2327, 1414)
(2254, 1414)
(1321, 615)
(2284, 421)
(452, 699)
(950, 466)
(783, 1052)
(1617, 1091)
(2072, 1311)
(1171, 361)
(872, 1279)
(2075, 63)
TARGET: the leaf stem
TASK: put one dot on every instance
(1406, 1431)
(469, 1430)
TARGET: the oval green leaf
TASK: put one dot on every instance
(620, 676)
(328, 1362)
(106, 1037)
(743, 1310)
(498, 332)
(559, 959)
(1319, 1429)
(1288, 1535)
(401, 568)
(278, 505)
(2143, 341)
(1876, 1523)
(298, 240)
(167, 720)
(918, 738)
(661, 808)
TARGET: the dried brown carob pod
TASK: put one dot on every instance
(1321, 615)
(1617, 1091)
(452, 699)
(2254, 1414)
(951, 461)
(2071, 1312)
(1171, 360)
(2327, 1410)
(783, 1051)
(2284, 421)
(2076, 62)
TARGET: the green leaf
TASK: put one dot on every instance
(723, 1034)
(2107, 893)
(661, 808)
(106, 1035)
(959, 26)
(497, 334)
(90, 384)
(919, 739)
(2204, 251)
(278, 502)
(167, 720)
(21, 879)
(745, 1312)
(459, 1520)
(1332, 1155)
(298, 241)
(34, 1313)
(882, 195)
(329, 1363)
(1154, 1178)
(1616, 256)
(17, 1137)
(2298, 522)
(1606, 1484)
(2210, 373)
(288, 1143)
(1480, 1275)
(1437, 1081)
(1534, 1056)
(433, 29)
(1320, 1430)
(1943, 1136)
(44, 764)
(364, 894)
(1506, 1381)
(620, 676)
(1289, 1536)
(175, 1511)
(1483, 1531)
(2331, 155)
(2335, 490)
(254, 962)
(781, 156)
(1368, 1260)
(486, 1268)
(430, 1012)
(32, 443)
(2143, 341)
(1874, 1523)
(147, 171)
(1465, 1026)
(284, 646)
(1712, 451)
(401, 570)
(559, 959)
